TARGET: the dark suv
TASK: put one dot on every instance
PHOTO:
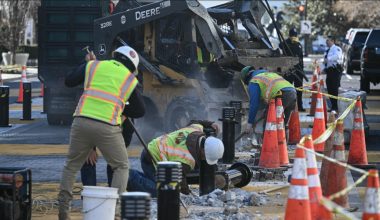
(370, 61)
(353, 49)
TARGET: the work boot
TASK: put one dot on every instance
(64, 205)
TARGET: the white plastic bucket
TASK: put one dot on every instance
(99, 203)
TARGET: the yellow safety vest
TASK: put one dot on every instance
(107, 87)
(270, 84)
(172, 146)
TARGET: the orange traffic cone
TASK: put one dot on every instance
(319, 125)
(298, 205)
(321, 89)
(269, 157)
(372, 197)
(327, 152)
(318, 211)
(358, 152)
(337, 179)
(294, 127)
(42, 92)
(282, 146)
(21, 89)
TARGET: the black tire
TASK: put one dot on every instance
(364, 84)
(56, 119)
(181, 111)
(53, 119)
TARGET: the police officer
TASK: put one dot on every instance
(294, 48)
(333, 70)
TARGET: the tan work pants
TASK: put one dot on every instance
(85, 135)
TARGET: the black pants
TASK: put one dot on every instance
(333, 77)
(297, 81)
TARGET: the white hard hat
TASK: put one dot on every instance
(130, 53)
(214, 149)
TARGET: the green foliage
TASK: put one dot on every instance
(332, 17)
(320, 13)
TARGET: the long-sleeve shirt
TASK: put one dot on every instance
(333, 56)
(255, 96)
(135, 107)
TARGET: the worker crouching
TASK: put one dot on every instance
(262, 87)
(188, 146)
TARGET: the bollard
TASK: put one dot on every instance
(4, 106)
(206, 178)
(27, 101)
(135, 206)
(228, 116)
(238, 115)
(169, 175)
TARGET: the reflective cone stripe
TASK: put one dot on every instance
(358, 152)
(294, 127)
(327, 152)
(298, 206)
(269, 156)
(337, 179)
(23, 74)
(372, 197)
(282, 146)
(21, 88)
(319, 125)
(318, 211)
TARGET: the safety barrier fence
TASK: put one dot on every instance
(327, 202)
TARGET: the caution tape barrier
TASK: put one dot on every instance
(335, 208)
(325, 135)
(327, 202)
(327, 95)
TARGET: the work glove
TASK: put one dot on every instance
(216, 128)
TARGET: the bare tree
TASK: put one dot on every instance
(12, 23)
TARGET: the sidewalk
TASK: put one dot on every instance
(30, 72)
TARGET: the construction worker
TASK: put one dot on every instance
(262, 87)
(292, 47)
(108, 85)
(88, 170)
(187, 145)
(333, 69)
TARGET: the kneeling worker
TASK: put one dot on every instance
(262, 87)
(187, 145)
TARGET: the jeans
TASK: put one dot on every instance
(143, 181)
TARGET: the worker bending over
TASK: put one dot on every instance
(187, 145)
(108, 85)
(262, 87)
